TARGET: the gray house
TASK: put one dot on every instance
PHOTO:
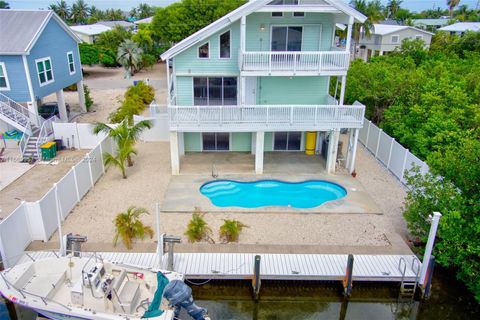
(39, 56)
(386, 38)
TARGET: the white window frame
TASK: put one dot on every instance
(302, 142)
(229, 142)
(209, 49)
(219, 44)
(73, 63)
(4, 68)
(208, 98)
(47, 82)
(398, 38)
(289, 25)
(418, 36)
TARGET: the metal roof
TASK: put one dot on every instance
(20, 29)
(146, 20)
(111, 24)
(430, 22)
(236, 14)
(90, 29)
(462, 27)
(384, 29)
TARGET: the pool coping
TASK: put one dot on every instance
(183, 195)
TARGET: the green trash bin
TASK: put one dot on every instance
(49, 150)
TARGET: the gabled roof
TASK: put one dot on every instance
(384, 29)
(20, 29)
(236, 14)
(462, 27)
(121, 23)
(90, 29)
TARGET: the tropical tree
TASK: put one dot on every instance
(129, 226)
(112, 39)
(79, 12)
(114, 15)
(230, 230)
(124, 152)
(62, 9)
(452, 4)
(144, 11)
(4, 5)
(392, 8)
(95, 15)
(123, 134)
(129, 55)
(198, 229)
(373, 11)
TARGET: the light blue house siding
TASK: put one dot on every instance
(292, 90)
(187, 62)
(239, 141)
(316, 36)
(16, 78)
(54, 42)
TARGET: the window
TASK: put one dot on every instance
(277, 14)
(214, 91)
(215, 141)
(224, 46)
(44, 70)
(418, 37)
(395, 39)
(287, 141)
(203, 51)
(299, 14)
(287, 38)
(4, 85)
(71, 63)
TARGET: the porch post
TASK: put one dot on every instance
(254, 142)
(332, 150)
(342, 90)
(242, 90)
(167, 63)
(62, 109)
(259, 152)
(81, 96)
(353, 152)
(349, 37)
(174, 153)
(380, 53)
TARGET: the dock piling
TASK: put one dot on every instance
(347, 282)
(256, 277)
(426, 289)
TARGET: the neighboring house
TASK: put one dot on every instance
(89, 33)
(146, 20)
(430, 24)
(38, 57)
(386, 38)
(461, 27)
(257, 80)
(112, 24)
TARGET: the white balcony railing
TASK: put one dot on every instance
(294, 61)
(265, 117)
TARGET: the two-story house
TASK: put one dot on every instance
(257, 80)
(39, 56)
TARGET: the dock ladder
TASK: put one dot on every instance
(408, 287)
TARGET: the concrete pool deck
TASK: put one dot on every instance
(183, 195)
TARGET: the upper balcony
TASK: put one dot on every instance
(299, 63)
(250, 118)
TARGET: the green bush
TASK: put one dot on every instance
(230, 230)
(88, 98)
(198, 229)
(137, 98)
(107, 58)
(143, 91)
(89, 54)
(148, 60)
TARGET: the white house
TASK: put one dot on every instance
(88, 33)
(462, 27)
(386, 38)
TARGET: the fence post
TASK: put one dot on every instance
(87, 156)
(368, 134)
(59, 220)
(378, 141)
(101, 153)
(76, 183)
(404, 165)
(390, 153)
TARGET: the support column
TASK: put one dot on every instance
(349, 38)
(254, 142)
(380, 53)
(342, 90)
(81, 96)
(62, 109)
(352, 150)
(332, 151)
(174, 153)
(259, 146)
(242, 90)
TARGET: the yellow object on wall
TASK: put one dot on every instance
(310, 142)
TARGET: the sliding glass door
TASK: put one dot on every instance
(216, 141)
(214, 91)
(287, 38)
(287, 141)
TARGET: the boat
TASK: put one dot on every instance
(73, 287)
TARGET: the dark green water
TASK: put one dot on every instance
(308, 301)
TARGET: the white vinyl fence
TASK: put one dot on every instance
(389, 152)
(39, 220)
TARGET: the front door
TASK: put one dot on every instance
(216, 141)
(251, 91)
(286, 38)
(287, 141)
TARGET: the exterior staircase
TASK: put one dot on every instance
(30, 153)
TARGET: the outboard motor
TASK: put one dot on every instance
(179, 295)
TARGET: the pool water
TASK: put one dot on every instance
(263, 193)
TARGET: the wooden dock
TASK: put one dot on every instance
(235, 266)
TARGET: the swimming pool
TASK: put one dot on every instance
(263, 193)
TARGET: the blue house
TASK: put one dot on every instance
(39, 56)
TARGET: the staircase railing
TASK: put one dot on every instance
(21, 114)
(46, 130)
(23, 143)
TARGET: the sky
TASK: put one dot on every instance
(126, 5)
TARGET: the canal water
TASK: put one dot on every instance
(308, 301)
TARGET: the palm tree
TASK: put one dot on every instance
(79, 12)
(129, 55)
(129, 226)
(62, 9)
(393, 6)
(373, 11)
(125, 152)
(123, 134)
(451, 6)
(4, 5)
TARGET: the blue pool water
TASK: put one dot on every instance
(263, 193)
